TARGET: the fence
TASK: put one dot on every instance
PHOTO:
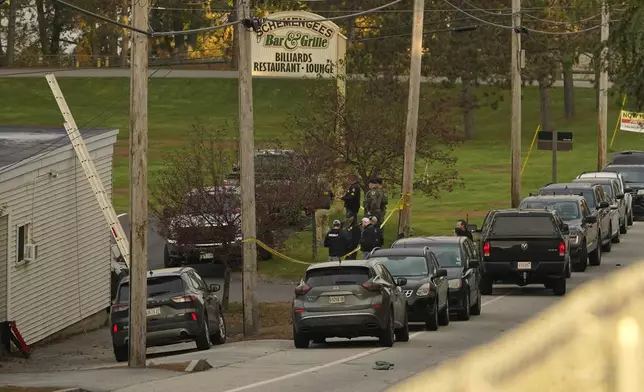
(590, 342)
(105, 61)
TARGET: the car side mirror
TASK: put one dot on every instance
(441, 273)
(214, 288)
(628, 190)
(619, 196)
(474, 263)
(604, 204)
(401, 281)
(591, 219)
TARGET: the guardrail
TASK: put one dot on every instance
(591, 342)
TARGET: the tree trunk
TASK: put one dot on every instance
(234, 55)
(468, 108)
(42, 27)
(125, 37)
(546, 110)
(56, 31)
(314, 241)
(225, 297)
(569, 89)
(11, 34)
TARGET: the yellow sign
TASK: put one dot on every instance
(632, 121)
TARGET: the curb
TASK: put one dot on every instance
(198, 365)
(72, 390)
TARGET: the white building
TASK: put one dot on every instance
(54, 241)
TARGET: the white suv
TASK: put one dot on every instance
(628, 198)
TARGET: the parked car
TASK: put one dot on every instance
(623, 188)
(181, 308)
(634, 179)
(584, 238)
(627, 158)
(595, 197)
(459, 256)
(616, 200)
(349, 299)
(427, 286)
(526, 247)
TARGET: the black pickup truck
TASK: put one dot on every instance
(525, 247)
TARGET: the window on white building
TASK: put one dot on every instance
(23, 239)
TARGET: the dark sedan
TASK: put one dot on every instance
(426, 287)
(458, 255)
(181, 308)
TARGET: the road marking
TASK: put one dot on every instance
(121, 215)
(337, 362)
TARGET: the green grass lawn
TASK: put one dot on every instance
(176, 103)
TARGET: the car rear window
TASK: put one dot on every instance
(523, 225)
(588, 194)
(405, 266)
(156, 286)
(336, 276)
(630, 175)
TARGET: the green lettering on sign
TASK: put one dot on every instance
(294, 40)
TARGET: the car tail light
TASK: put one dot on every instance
(486, 248)
(184, 298)
(371, 286)
(302, 289)
(562, 248)
(120, 307)
(194, 316)
(298, 310)
(115, 328)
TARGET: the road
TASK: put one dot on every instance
(267, 292)
(275, 366)
(177, 74)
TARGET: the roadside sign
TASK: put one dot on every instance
(564, 141)
(632, 121)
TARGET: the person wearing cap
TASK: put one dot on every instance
(337, 240)
(374, 200)
(322, 211)
(367, 198)
(369, 240)
(351, 200)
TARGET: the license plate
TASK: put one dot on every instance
(207, 256)
(154, 312)
(524, 265)
(336, 300)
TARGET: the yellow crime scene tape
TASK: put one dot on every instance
(399, 205)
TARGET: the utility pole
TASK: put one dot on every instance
(138, 185)
(515, 70)
(412, 115)
(602, 128)
(247, 173)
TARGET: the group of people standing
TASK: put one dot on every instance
(366, 233)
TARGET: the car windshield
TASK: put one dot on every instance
(523, 225)
(334, 276)
(567, 210)
(630, 175)
(588, 194)
(405, 266)
(158, 286)
(448, 255)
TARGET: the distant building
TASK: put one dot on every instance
(54, 242)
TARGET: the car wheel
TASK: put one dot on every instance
(300, 340)
(609, 245)
(595, 257)
(387, 335)
(623, 229)
(220, 336)
(582, 265)
(568, 270)
(486, 286)
(475, 310)
(432, 319)
(630, 218)
(203, 338)
(402, 334)
(464, 314)
(121, 353)
(443, 315)
(559, 287)
(617, 238)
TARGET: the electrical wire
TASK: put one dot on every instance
(556, 22)
(475, 8)
(477, 18)
(453, 29)
(331, 19)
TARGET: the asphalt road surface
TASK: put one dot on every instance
(169, 73)
(341, 365)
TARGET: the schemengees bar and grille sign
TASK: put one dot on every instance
(298, 46)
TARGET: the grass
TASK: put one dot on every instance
(175, 104)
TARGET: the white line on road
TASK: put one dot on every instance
(338, 362)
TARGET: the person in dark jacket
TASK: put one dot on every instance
(355, 234)
(370, 237)
(337, 240)
(461, 229)
(379, 231)
(351, 200)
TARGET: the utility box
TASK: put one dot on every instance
(564, 141)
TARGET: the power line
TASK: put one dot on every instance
(453, 29)
(477, 18)
(339, 17)
(556, 22)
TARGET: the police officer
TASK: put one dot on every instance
(379, 232)
(338, 241)
(351, 200)
(384, 200)
(373, 200)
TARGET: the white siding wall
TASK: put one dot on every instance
(70, 280)
(4, 221)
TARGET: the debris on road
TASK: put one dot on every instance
(383, 365)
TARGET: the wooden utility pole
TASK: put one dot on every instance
(412, 115)
(602, 128)
(138, 185)
(247, 173)
(515, 70)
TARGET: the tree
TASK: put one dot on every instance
(369, 138)
(627, 46)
